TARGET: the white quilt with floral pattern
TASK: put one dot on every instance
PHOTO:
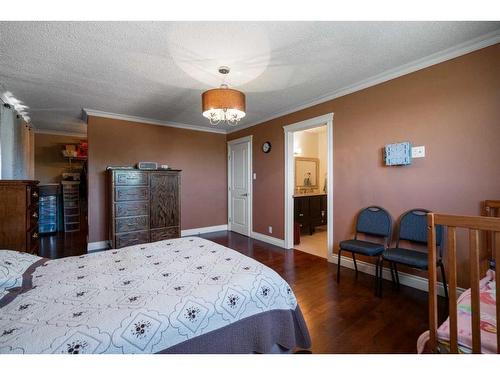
(139, 299)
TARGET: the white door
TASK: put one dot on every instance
(239, 187)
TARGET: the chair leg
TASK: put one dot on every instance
(393, 278)
(378, 278)
(355, 265)
(445, 285)
(397, 275)
(338, 268)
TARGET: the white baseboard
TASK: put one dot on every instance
(103, 245)
(197, 231)
(95, 246)
(407, 279)
(268, 239)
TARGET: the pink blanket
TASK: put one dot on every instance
(488, 320)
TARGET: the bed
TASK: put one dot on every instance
(472, 323)
(186, 295)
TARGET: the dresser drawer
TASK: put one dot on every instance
(129, 239)
(71, 227)
(131, 224)
(71, 196)
(71, 219)
(164, 234)
(32, 217)
(71, 204)
(71, 188)
(32, 240)
(33, 195)
(131, 209)
(125, 193)
(71, 211)
(130, 178)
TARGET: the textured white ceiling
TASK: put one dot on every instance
(158, 70)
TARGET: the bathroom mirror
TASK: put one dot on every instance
(306, 172)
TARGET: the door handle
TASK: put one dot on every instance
(244, 195)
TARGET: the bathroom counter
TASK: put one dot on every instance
(298, 195)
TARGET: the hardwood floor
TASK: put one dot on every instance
(60, 244)
(342, 318)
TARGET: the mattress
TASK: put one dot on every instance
(186, 295)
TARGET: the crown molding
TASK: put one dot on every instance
(92, 112)
(472, 45)
(60, 132)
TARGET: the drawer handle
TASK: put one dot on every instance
(35, 194)
(35, 235)
(35, 215)
(301, 214)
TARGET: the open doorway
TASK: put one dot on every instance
(61, 168)
(310, 196)
(309, 186)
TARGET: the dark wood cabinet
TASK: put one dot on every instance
(19, 215)
(144, 206)
(310, 211)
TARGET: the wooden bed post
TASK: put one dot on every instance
(451, 253)
(432, 261)
(474, 286)
(492, 209)
(497, 259)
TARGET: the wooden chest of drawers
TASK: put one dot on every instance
(144, 206)
(19, 215)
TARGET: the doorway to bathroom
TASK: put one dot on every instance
(309, 186)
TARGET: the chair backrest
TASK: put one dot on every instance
(374, 221)
(413, 227)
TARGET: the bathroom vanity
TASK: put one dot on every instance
(310, 210)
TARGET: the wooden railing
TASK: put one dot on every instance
(491, 209)
(474, 224)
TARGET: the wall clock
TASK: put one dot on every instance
(266, 147)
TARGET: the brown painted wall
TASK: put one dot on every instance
(200, 155)
(49, 163)
(452, 108)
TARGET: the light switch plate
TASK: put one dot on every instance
(255, 176)
(418, 152)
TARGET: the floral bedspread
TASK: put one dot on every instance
(139, 299)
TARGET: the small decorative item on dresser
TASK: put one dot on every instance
(147, 165)
(19, 215)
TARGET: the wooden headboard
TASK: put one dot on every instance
(474, 224)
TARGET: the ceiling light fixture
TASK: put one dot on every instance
(223, 104)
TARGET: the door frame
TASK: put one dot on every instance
(290, 173)
(248, 139)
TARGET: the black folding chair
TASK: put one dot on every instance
(374, 221)
(413, 228)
